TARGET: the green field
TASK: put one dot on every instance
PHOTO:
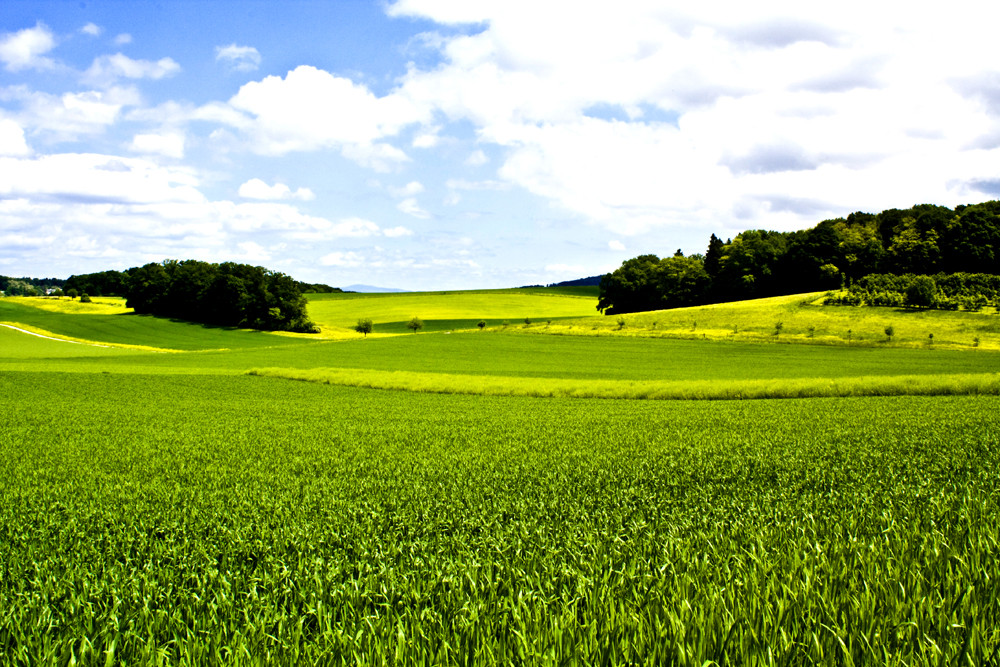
(172, 508)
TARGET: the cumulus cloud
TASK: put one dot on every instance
(408, 190)
(123, 38)
(170, 144)
(343, 259)
(238, 58)
(476, 159)
(12, 141)
(112, 67)
(26, 49)
(616, 245)
(68, 116)
(91, 29)
(310, 109)
(397, 232)
(410, 206)
(762, 100)
(258, 189)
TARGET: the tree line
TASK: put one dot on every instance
(924, 239)
(227, 294)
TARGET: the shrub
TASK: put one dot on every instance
(921, 292)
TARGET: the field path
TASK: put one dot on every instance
(63, 340)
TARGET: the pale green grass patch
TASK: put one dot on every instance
(339, 312)
(489, 385)
(802, 320)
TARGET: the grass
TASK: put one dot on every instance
(485, 385)
(240, 520)
(175, 509)
(443, 311)
(802, 320)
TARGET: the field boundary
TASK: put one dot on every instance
(986, 384)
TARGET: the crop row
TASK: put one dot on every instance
(198, 519)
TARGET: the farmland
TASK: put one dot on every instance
(170, 507)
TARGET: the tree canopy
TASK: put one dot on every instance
(925, 239)
(226, 294)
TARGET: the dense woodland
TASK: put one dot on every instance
(226, 294)
(922, 240)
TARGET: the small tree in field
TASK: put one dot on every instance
(481, 324)
(72, 293)
(84, 298)
(364, 326)
(415, 324)
(890, 331)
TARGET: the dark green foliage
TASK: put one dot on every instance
(103, 283)
(317, 288)
(925, 239)
(26, 286)
(415, 324)
(226, 294)
(364, 326)
(85, 298)
(971, 291)
(921, 293)
(651, 283)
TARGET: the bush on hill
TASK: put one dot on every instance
(971, 291)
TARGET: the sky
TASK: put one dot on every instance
(456, 144)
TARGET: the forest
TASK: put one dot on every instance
(922, 240)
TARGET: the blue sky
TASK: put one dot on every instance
(446, 144)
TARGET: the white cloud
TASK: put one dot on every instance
(408, 190)
(26, 48)
(12, 142)
(88, 177)
(311, 109)
(397, 232)
(476, 159)
(238, 58)
(70, 115)
(342, 259)
(410, 206)
(258, 189)
(170, 144)
(616, 245)
(689, 116)
(91, 29)
(354, 227)
(249, 251)
(428, 138)
(110, 68)
(123, 38)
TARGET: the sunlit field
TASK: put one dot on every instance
(494, 496)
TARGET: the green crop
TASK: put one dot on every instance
(239, 519)
(170, 508)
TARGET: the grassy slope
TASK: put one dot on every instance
(194, 517)
(661, 364)
(835, 325)
(445, 311)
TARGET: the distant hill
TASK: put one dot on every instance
(579, 282)
(371, 289)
